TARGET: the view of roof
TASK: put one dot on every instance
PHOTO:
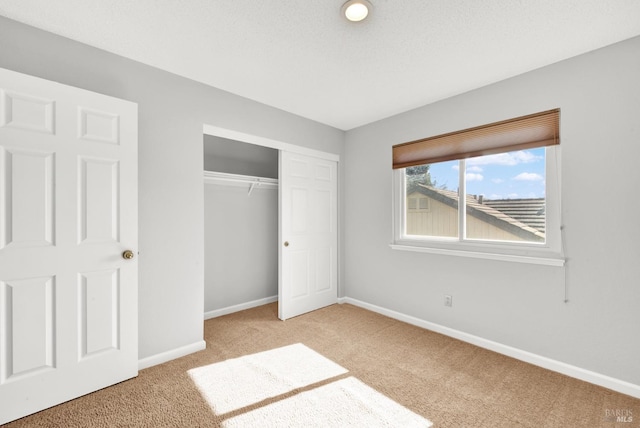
(521, 217)
(528, 211)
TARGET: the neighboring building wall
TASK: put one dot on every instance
(439, 220)
(442, 220)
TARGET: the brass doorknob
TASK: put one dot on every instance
(286, 243)
(128, 255)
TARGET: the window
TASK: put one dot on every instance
(417, 202)
(491, 191)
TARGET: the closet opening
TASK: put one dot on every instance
(271, 224)
(240, 225)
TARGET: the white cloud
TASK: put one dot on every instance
(474, 169)
(497, 180)
(512, 195)
(528, 176)
(509, 159)
(456, 167)
(474, 177)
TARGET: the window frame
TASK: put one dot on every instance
(548, 253)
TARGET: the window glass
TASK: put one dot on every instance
(504, 198)
(435, 188)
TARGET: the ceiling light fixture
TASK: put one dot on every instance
(356, 10)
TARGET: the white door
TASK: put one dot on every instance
(308, 234)
(68, 211)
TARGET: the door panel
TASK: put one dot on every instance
(99, 198)
(68, 209)
(27, 197)
(99, 307)
(27, 112)
(299, 274)
(308, 223)
(27, 339)
(99, 126)
(324, 263)
(298, 212)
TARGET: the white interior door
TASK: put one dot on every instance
(68, 211)
(308, 234)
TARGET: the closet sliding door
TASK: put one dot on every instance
(308, 273)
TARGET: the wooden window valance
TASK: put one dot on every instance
(526, 132)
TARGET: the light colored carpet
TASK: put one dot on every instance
(246, 392)
(240, 382)
(343, 403)
(451, 383)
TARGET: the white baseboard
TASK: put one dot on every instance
(163, 357)
(537, 360)
(240, 307)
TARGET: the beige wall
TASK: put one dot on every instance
(439, 220)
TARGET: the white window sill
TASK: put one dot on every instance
(538, 260)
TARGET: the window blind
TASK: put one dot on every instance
(525, 132)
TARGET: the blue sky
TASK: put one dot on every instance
(510, 175)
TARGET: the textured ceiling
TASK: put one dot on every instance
(303, 57)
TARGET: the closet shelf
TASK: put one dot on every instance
(212, 177)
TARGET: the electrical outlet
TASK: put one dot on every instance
(448, 300)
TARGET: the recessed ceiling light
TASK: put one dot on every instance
(356, 10)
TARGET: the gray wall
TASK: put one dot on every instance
(241, 245)
(240, 230)
(516, 304)
(235, 157)
(172, 111)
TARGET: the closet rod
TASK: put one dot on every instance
(238, 179)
